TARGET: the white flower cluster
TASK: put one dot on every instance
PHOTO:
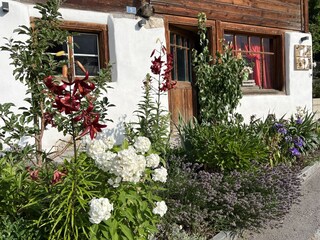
(153, 160)
(127, 165)
(161, 208)
(100, 209)
(142, 144)
(160, 174)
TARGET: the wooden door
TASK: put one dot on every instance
(183, 98)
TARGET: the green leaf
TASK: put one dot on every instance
(126, 231)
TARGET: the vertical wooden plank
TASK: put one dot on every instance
(219, 36)
(306, 16)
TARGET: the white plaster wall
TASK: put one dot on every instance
(11, 90)
(130, 47)
(298, 87)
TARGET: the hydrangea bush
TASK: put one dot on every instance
(134, 174)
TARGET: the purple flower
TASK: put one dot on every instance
(299, 121)
(294, 152)
(278, 125)
(298, 142)
(281, 128)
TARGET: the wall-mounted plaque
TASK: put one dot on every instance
(302, 57)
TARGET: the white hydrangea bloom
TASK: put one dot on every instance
(100, 209)
(161, 208)
(153, 160)
(160, 174)
(105, 160)
(142, 144)
(96, 148)
(129, 165)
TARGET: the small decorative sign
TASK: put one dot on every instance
(131, 10)
(302, 57)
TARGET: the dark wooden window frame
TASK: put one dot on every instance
(84, 27)
(278, 38)
(100, 29)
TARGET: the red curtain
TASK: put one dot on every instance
(256, 58)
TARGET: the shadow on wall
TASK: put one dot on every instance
(117, 131)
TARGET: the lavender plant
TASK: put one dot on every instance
(209, 202)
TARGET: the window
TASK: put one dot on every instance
(88, 45)
(263, 54)
(181, 47)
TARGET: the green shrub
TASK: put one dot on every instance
(316, 88)
(225, 146)
(17, 229)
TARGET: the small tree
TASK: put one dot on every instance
(32, 65)
(218, 79)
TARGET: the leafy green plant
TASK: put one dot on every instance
(32, 65)
(17, 229)
(222, 147)
(218, 79)
(153, 120)
(287, 139)
(131, 180)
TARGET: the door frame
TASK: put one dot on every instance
(189, 24)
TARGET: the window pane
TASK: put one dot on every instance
(242, 42)
(254, 41)
(266, 44)
(86, 43)
(172, 38)
(57, 48)
(189, 65)
(269, 72)
(91, 64)
(173, 72)
(181, 65)
(228, 38)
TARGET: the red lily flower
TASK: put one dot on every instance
(34, 174)
(55, 88)
(156, 65)
(57, 175)
(67, 103)
(84, 113)
(91, 125)
(168, 83)
(81, 86)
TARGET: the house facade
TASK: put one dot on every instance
(271, 35)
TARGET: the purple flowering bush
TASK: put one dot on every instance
(287, 140)
(208, 202)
